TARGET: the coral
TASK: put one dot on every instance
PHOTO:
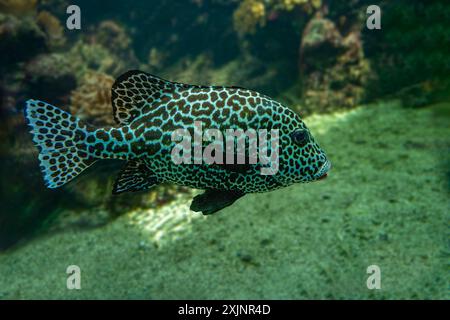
(52, 28)
(18, 7)
(21, 38)
(251, 14)
(50, 77)
(92, 99)
(87, 57)
(56, 7)
(112, 36)
(288, 5)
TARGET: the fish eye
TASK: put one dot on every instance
(300, 137)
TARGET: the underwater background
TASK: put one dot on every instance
(378, 102)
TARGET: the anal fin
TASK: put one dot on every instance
(212, 201)
(135, 176)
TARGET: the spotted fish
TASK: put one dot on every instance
(148, 110)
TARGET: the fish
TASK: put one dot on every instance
(148, 110)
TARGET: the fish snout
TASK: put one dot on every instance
(323, 171)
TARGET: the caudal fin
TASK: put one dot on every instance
(60, 138)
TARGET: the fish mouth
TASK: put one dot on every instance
(323, 171)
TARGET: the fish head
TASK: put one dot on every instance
(301, 157)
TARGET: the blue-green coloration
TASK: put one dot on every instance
(148, 109)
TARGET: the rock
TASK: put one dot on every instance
(321, 44)
(332, 66)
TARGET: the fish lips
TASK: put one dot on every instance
(323, 171)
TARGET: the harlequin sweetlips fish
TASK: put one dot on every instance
(148, 110)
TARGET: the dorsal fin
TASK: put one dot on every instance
(133, 90)
(135, 176)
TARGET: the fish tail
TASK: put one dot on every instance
(61, 141)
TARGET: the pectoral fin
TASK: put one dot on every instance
(212, 201)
